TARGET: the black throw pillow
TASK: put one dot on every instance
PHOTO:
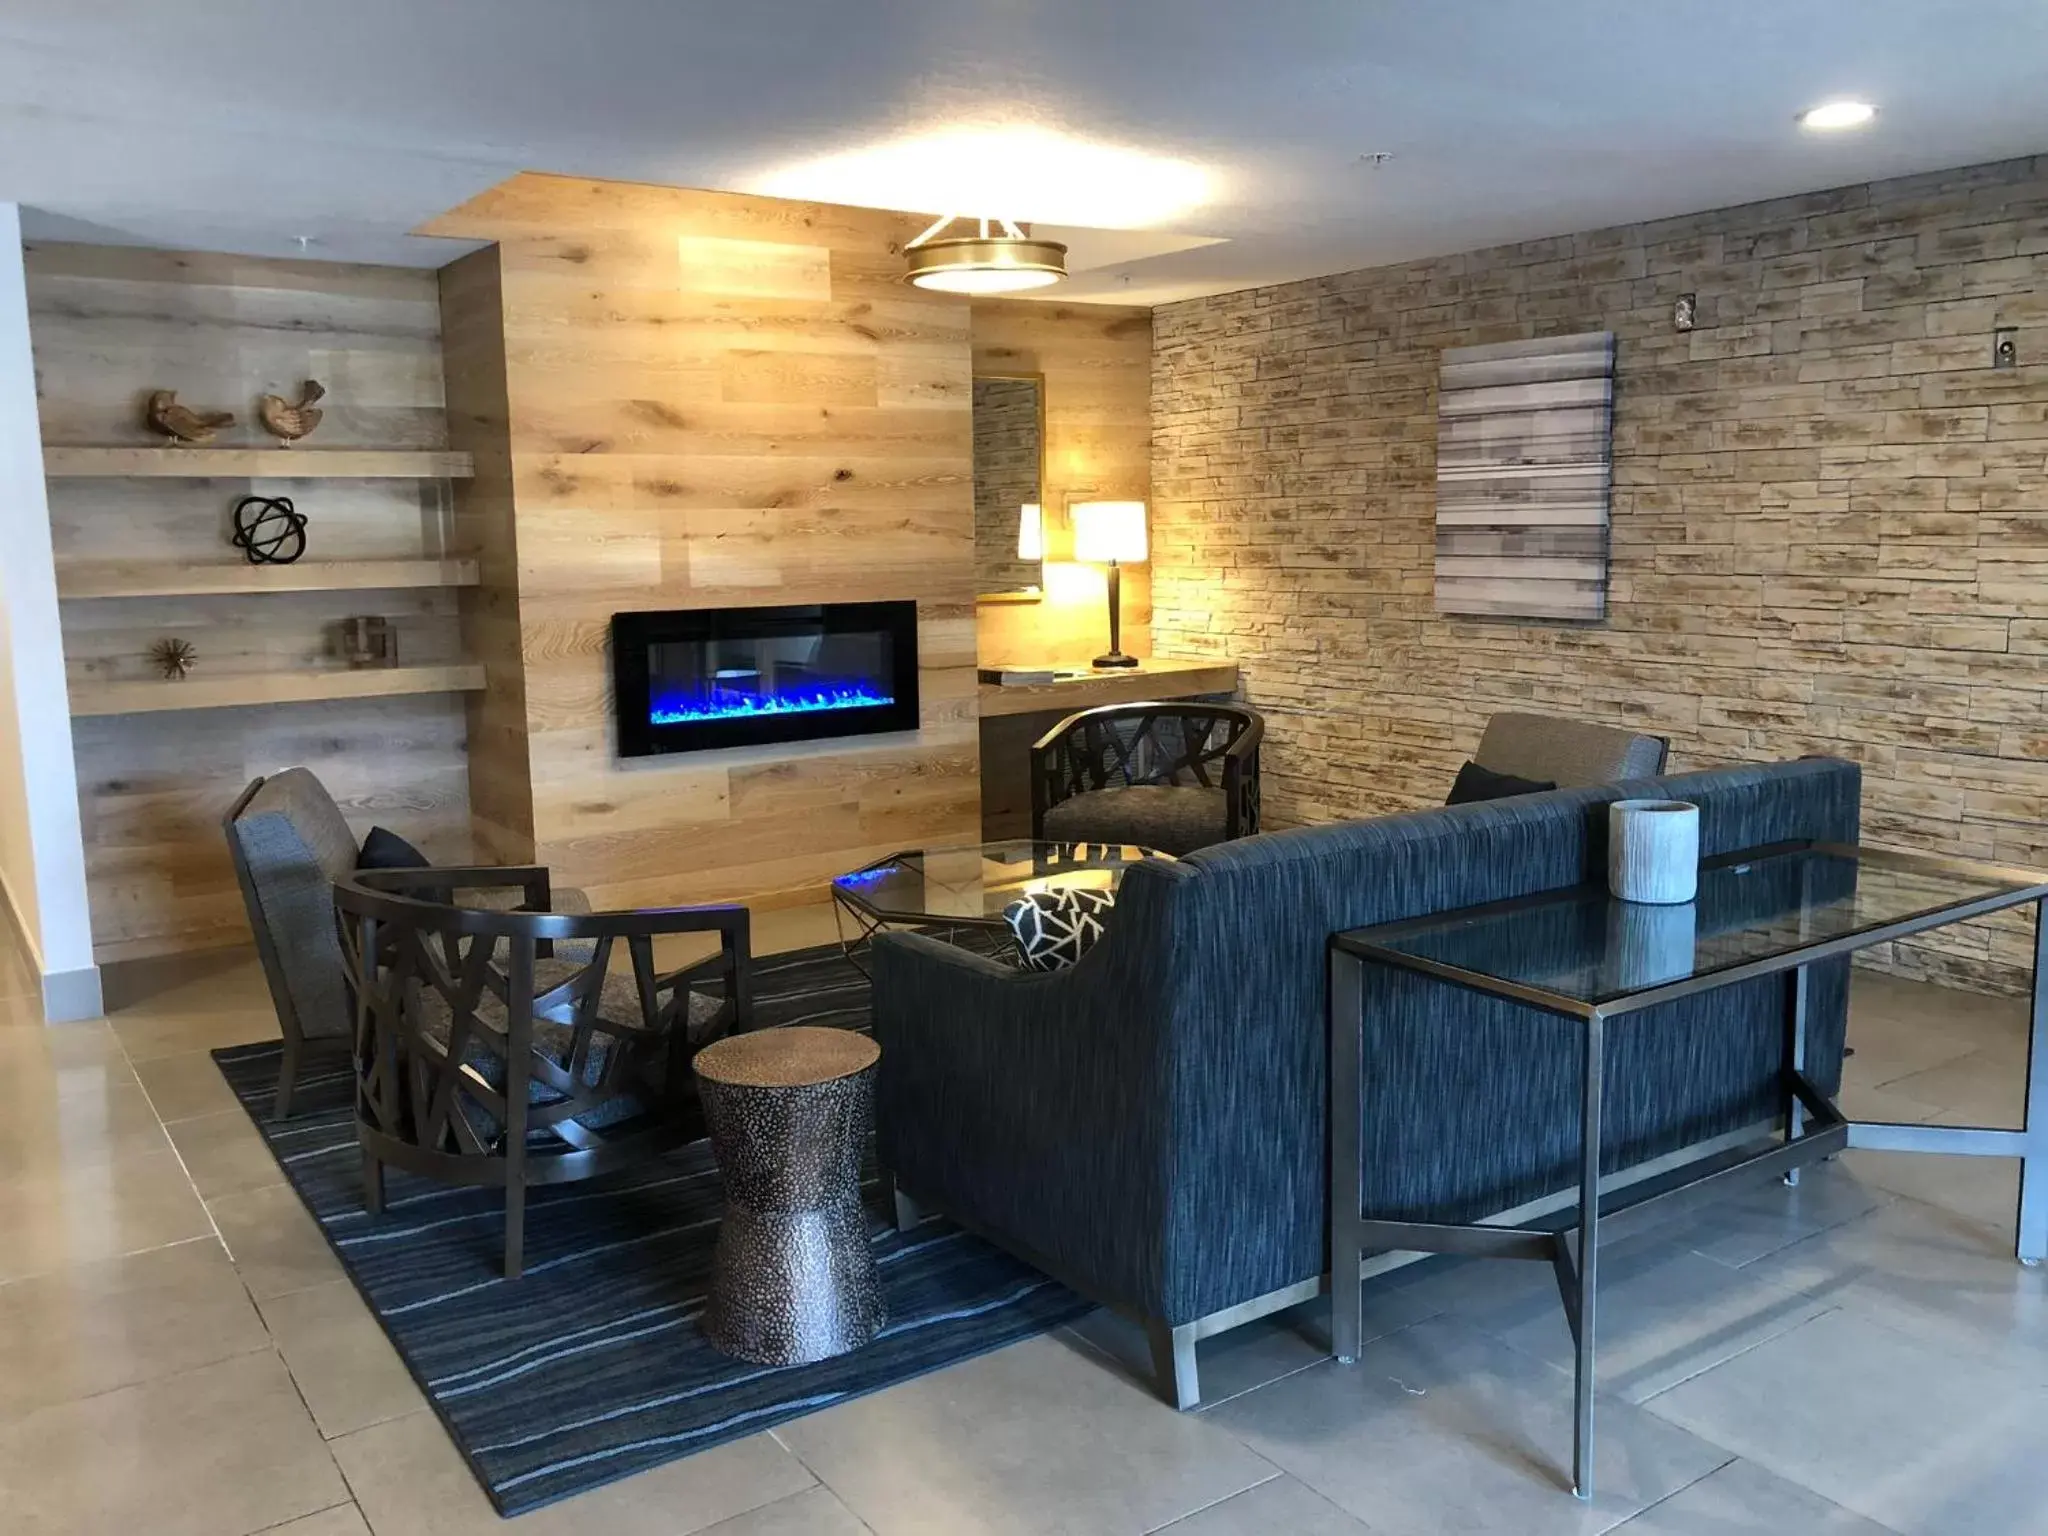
(384, 849)
(1477, 783)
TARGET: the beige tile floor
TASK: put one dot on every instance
(180, 1354)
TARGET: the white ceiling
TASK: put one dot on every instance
(242, 124)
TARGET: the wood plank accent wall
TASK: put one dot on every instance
(109, 325)
(1096, 360)
(1828, 516)
(712, 400)
(473, 357)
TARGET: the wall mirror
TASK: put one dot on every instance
(1009, 487)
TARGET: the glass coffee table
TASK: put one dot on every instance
(962, 891)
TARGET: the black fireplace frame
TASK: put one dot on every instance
(632, 633)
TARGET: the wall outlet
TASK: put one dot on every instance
(2005, 347)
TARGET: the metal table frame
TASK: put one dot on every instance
(867, 923)
(1812, 1127)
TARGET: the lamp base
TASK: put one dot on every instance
(1114, 659)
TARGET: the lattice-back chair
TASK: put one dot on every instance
(289, 843)
(502, 1048)
(1175, 777)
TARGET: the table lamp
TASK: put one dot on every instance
(1031, 531)
(1111, 531)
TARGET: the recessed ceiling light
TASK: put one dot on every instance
(1831, 115)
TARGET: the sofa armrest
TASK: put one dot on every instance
(1028, 1105)
(950, 959)
(960, 1011)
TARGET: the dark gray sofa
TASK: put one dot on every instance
(1150, 1125)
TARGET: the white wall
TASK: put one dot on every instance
(42, 851)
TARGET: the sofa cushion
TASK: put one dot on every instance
(563, 899)
(618, 1001)
(1171, 819)
(1055, 928)
(1475, 783)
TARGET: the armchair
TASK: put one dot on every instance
(1175, 777)
(289, 843)
(504, 1049)
(1568, 753)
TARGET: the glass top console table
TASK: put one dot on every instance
(1580, 954)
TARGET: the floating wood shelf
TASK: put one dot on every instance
(156, 694)
(158, 579)
(258, 463)
(1164, 678)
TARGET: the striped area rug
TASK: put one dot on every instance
(591, 1367)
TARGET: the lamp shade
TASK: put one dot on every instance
(998, 264)
(1031, 531)
(1109, 530)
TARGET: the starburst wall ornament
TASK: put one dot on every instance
(173, 658)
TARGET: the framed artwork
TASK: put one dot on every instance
(1524, 465)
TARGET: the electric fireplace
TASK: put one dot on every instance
(687, 680)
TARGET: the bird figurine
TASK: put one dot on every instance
(291, 422)
(181, 424)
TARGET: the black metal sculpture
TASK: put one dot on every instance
(269, 530)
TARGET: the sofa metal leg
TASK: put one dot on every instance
(1173, 1363)
(909, 1214)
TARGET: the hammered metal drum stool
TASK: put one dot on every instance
(793, 1279)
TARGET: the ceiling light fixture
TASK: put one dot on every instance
(1830, 116)
(992, 256)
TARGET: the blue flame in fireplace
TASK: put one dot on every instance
(681, 706)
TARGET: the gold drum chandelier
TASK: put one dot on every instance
(987, 256)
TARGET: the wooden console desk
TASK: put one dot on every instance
(1013, 718)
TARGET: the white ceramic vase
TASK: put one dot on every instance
(1653, 850)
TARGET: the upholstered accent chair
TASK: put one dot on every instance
(507, 1049)
(1174, 777)
(1568, 753)
(289, 844)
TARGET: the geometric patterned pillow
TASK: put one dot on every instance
(1055, 928)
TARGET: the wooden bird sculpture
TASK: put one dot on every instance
(291, 422)
(181, 424)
